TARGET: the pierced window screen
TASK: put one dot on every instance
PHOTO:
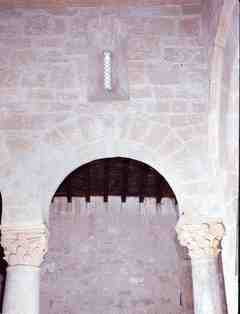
(107, 68)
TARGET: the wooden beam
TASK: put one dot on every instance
(68, 189)
(125, 173)
(142, 182)
(88, 185)
(106, 168)
(159, 187)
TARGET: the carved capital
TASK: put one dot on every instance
(24, 245)
(201, 238)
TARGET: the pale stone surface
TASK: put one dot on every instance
(43, 86)
(207, 288)
(115, 258)
(22, 290)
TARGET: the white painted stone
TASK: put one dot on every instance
(22, 290)
(206, 286)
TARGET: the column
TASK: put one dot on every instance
(24, 249)
(203, 240)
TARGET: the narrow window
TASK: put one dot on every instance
(107, 63)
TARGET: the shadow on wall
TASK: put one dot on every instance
(3, 264)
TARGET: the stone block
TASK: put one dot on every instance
(184, 55)
(9, 77)
(24, 57)
(190, 26)
(192, 90)
(159, 106)
(161, 27)
(37, 25)
(135, 48)
(153, 48)
(192, 9)
(18, 145)
(144, 47)
(77, 45)
(187, 133)
(180, 120)
(136, 72)
(10, 28)
(164, 74)
(156, 135)
(135, 25)
(4, 56)
(162, 92)
(52, 56)
(62, 76)
(35, 77)
(151, 11)
(37, 95)
(58, 26)
(48, 42)
(40, 24)
(12, 121)
(18, 42)
(138, 130)
(41, 121)
(140, 91)
(78, 25)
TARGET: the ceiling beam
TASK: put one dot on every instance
(159, 187)
(142, 182)
(88, 185)
(106, 171)
(125, 174)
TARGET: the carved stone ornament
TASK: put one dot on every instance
(24, 245)
(202, 238)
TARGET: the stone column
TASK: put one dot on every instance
(203, 241)
(24, 248)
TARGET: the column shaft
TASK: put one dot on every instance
(203, 240)
(21, 290)
(206, 286)
(24, 249)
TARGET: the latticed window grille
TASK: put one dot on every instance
(107, 63)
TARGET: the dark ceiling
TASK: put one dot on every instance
(115, 176)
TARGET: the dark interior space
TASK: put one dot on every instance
(116, 177)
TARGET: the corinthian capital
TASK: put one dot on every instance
(202, 238)
(24, 245)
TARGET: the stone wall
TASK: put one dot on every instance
(48, 127)
(46, 115)
(115, 258)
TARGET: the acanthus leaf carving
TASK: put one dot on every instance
(201, 238)
(24, 245)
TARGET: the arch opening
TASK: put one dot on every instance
(115, 176)
(113, 246)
